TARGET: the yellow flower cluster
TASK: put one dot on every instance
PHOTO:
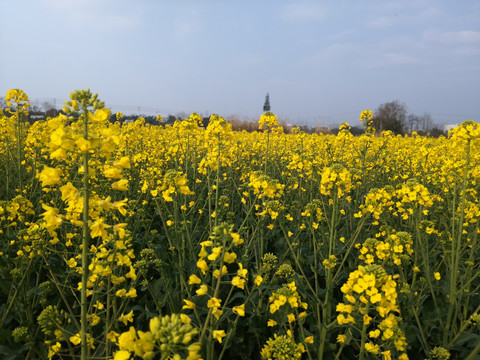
(396, 248)
(174, 182)
(286, 294)
(467, 131)
(268, 121)
(371, 297)
(169, 337)
(265, 186)
(150, 202)
(216, 260)
(377, 200)
(282, 347)
(336, 177)
(411, 196)
(19, 97)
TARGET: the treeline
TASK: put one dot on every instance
(391, 116)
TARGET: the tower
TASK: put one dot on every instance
(266, 106)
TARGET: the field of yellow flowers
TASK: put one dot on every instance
(136, 241)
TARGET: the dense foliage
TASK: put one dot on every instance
(149, 241)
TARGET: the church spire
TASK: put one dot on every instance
(266, 106)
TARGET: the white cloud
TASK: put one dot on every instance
(332, 54)
(303, 11)
(382, 22)
(250, 59)
(94, 14)
(452, 37)
(394, 58)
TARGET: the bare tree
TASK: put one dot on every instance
(390, 116)
(413, 122)
(427, 121)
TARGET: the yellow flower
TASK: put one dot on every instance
(123, 163)
(271, 322)
(239, 310)
(218, 335)
(309, 340)
(95, 319)
(75, 339)
(370, 347)
(290, 318)
(341, 338)
(437, 276)
(345, 320)
(194, 279)
(120, 293)
(236, 239)
(50, 176)
(69, 192)
(83, 144)
(214, 302)
(258, 280)
(122, 355)
(112, 172)
(229, 257)
(202, 291)
(52, 219)
(98, 229)
(188, 304)
(217, 312)
(366, 319)
(215, 253)
(202, 265)
(132, 293)
(126, 318)
(341, 307)
(112, 336)
(238, 282)
(241, 271)
(121, 185)
(72, 262)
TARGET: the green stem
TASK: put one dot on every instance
(364, 337)
(266, 151)
(15, 294)
(217, 181)
(474, 353)
(456, 249)
(19, 148)
(85, 242)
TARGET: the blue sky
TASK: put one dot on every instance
(322, 62)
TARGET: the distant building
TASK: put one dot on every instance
(266, 106)
(448, 127)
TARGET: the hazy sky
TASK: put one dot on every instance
(322, 62)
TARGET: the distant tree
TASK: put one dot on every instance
(426, 121)
(206, 121)
(357, 130)
(390, 116)
(35, 108)
(182, 115)
(413, 122)
(436, 132)
(170, 119)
